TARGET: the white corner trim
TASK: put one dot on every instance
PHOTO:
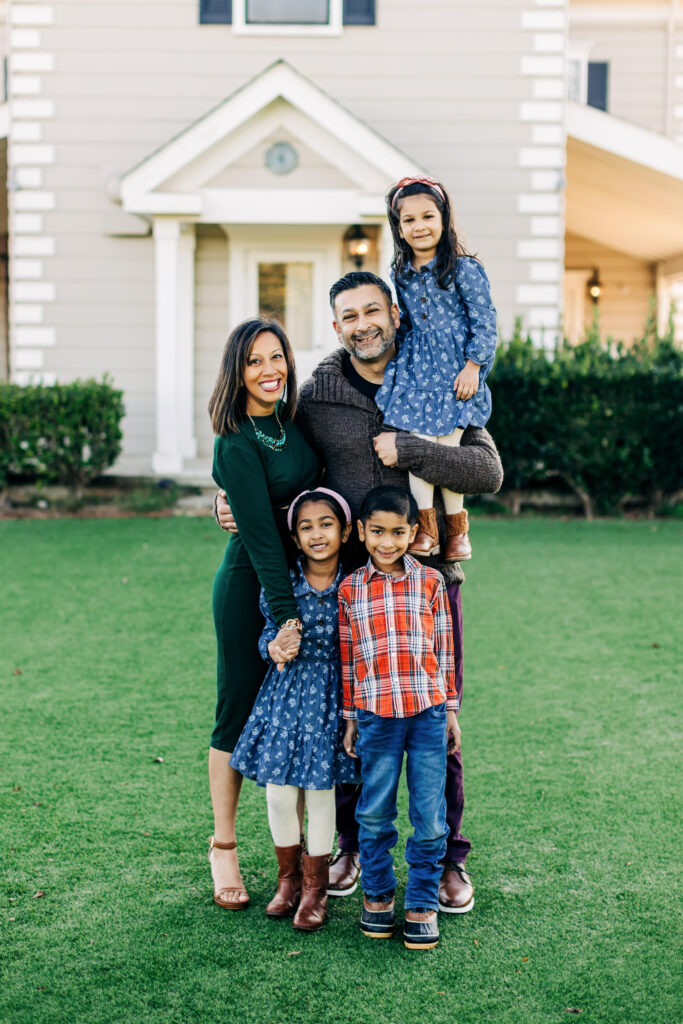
(35, 337)
(25, 313)
(33, 199)
(541, 156)
(621, 138)
(537, 294)
(24, 39)
(549, 20)
(33, 14)
(26, 223)
(28, 291)
(34, 245)
(25, 85)
(27, 154)
(548, 42)
(27, 269)
(542, 66)
(33, 108)
(32, 62)
(28, 177)
(28, 359)
(26, 131)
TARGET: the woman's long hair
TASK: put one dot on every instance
(449, 248)
(228, 402)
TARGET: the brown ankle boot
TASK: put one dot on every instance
(289, 881)
(458, 544)
(313, 906)
(427, 537)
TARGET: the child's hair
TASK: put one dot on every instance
(228, 402)
(356, 279)
(322, 496)
(449, 247)
(389, 498)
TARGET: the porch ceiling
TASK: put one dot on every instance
(624, 186)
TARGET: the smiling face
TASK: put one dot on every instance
(421, 225)
(319, 534)
(387, 537)
(264, 375)
(365, 323)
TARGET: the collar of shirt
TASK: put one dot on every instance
(302, 587)
(410, 564)
(424, 268)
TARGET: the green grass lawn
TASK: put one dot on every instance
(570, 721)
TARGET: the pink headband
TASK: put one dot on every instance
(430, 182)
(318, 490)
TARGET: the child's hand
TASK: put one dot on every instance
(350, 737)
(467, 382)
(452, 732)
(284, 647)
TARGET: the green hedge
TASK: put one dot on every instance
(65, 434)
(604, 419)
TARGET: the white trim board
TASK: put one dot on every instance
(623, 139)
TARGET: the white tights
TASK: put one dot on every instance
(423, 492)
(284, 822)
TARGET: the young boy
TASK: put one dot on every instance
(398, 677)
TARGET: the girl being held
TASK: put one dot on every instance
(435, 387)
(292, 741)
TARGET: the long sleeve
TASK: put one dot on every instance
(346, 651)
(270, 630)
(443, 644)
(406, 323)
(474, 467)
(242, 474)
(473, 286)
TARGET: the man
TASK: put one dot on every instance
(337, 412)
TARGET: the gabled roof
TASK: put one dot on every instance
(171, 179)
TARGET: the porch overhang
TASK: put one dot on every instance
(624, 185)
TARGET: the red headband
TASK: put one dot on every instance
(430, 182)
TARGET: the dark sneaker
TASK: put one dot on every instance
(421, 934)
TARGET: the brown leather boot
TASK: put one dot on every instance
(289, 881)
(458, 544)
(313, 906)
(427, 537)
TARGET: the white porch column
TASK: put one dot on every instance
(174, 267)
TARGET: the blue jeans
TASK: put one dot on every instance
(380, 746)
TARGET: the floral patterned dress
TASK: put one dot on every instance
(293, 736)
(440, 330)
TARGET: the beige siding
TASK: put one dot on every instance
(629, 286)
(211, 325)
(440, 81)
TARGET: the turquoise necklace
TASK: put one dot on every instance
(276, 444)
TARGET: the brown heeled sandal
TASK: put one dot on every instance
(222, 897)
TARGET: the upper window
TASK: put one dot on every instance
(587, 80)
(287, 17)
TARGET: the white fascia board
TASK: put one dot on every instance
(630, 141)
(173, 203)
(303, 206)
(279, 80)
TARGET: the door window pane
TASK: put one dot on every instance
(287, 12)
(285, 292)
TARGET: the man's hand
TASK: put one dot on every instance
(223, 513)
(452, 732)
(385, 446)
(284, 647)
(467, 382)
(350, 737)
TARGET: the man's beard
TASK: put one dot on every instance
(384, 340)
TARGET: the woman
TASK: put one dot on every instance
(262, 461)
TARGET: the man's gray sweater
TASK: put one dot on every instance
(341, 422)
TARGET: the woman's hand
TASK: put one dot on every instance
(385, 447)
(452, 732)
(467, 382)
(221, 511)
(284, 647)
(350, 737)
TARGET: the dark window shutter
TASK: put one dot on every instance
(597, 84)
(215, 12)
(359, 12)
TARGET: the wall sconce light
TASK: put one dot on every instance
(594, 285)
(357, 245)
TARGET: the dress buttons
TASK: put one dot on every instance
(321, 622)
(321, 600)
(424, 316)
(423, 299)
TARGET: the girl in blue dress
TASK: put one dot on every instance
(435, 387)
(292, 741)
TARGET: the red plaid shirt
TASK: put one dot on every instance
(396, 638)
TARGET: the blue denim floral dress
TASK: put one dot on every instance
(293, 736)
(440, 330)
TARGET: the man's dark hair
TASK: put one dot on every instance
(356, 279)
(389, 498)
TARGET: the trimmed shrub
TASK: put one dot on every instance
(604, 419)
(64, 434)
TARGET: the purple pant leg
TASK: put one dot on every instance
(346, 796)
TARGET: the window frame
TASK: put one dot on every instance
(241, 27)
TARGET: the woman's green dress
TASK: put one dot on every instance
(260, 484)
